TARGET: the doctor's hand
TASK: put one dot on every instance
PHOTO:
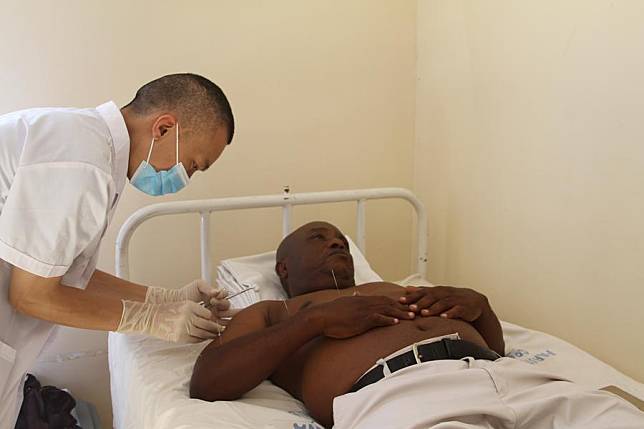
(219, 305)
(446, 301)
(197, 291)
(179, 322)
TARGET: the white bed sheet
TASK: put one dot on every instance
(150, 381)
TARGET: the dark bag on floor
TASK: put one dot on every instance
(45, 407)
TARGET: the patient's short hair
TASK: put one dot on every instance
(198, 100)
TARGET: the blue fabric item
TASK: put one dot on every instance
(147, 179)
(155, 183)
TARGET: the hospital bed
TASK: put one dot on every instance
(150, 377)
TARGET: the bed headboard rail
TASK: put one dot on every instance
(287, 201)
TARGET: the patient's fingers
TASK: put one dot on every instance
(398, 312)
(438, 307)
(425, 297)
(381, 320)
(425, 302)
(456, 312)
(413, 294)
(419, 300)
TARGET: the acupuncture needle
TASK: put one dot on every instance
(335, 281)
(355, 292)
(239, 293)
(208, 305)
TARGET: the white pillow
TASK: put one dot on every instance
(259, 271)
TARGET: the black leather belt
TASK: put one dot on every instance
(439, 350)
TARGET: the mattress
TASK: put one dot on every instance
(150, 379)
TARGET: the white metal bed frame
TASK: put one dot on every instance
(286, 200)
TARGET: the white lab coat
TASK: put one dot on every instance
(61, 174)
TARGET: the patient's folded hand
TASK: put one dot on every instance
(354, 315)
(446, 301)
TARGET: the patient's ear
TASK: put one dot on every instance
(282, 272)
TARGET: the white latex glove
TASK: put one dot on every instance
(197, 291)
(179, 322)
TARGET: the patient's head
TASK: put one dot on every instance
(306, 258)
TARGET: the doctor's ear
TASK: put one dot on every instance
(163, 124)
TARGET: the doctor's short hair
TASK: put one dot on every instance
(195, 98)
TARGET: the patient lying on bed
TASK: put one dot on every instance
(330, 338)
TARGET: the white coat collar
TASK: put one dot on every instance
(120, 139)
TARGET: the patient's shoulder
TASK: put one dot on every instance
(252, 311)
(260, 307)
(260, 312)
(252, 318)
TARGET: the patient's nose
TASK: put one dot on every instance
(338, 244)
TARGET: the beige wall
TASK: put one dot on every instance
(526, 127)
(529, 155)
(323, 93)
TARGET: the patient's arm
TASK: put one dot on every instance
(254, 346)
(489, 327)
(250, 351)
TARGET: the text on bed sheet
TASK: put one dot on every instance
(531, 358)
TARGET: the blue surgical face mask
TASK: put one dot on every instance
(147, 179)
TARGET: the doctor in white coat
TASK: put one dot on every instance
(61, 174)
